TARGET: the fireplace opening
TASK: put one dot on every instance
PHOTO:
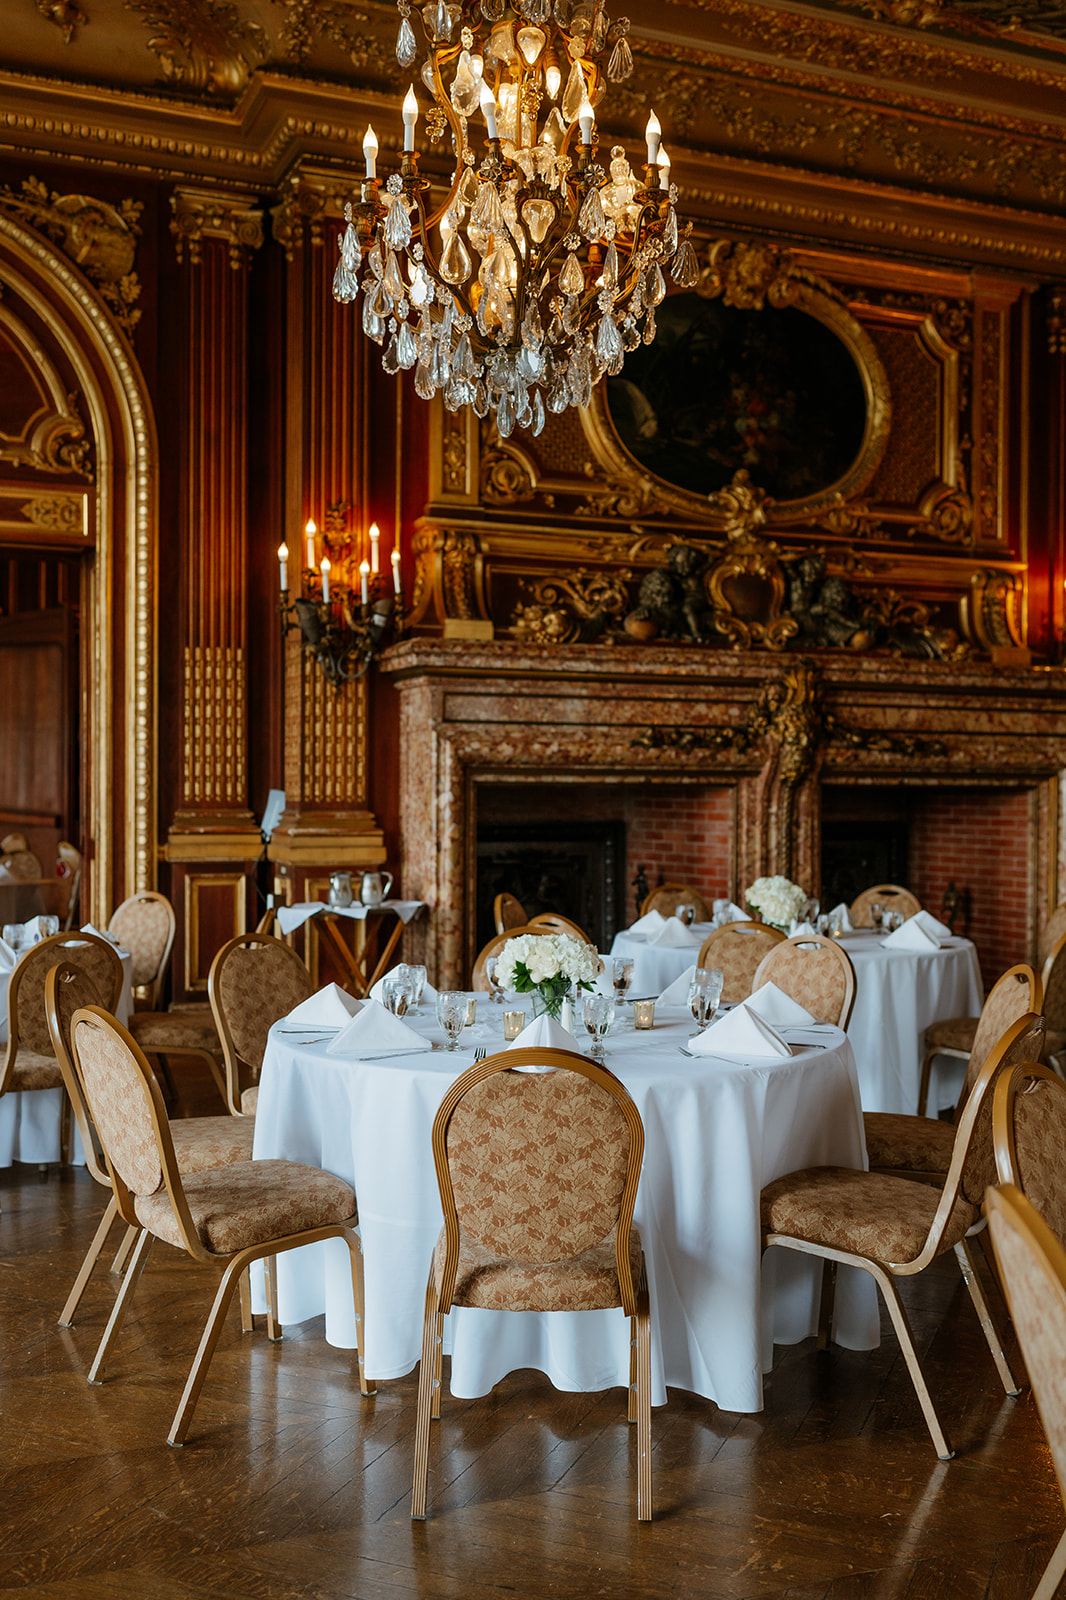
(571, 868)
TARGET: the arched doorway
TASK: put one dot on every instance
(78, 483)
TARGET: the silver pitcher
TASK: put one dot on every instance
(372, 891)
(341, 894)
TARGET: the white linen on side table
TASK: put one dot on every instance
(716, 1132)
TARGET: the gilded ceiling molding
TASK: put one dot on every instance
(310, 196)
(79, 318)
(98, 237)
(64, 14)
(202, 45)
(310, 22)
(201, 214)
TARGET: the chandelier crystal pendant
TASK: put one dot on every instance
(540, 270)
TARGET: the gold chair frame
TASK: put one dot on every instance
(1035, 1003)
(635, 1303)
(684, 894)
(231, 1059)
(764, 972)
(758, 932)
(156, 984)
(508, 913)
(901, 900)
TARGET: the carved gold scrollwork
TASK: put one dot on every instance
(507, 473)
(746, 589)
(582, 605)
(448, 575)
(748, 275)
(992, 611)
(202, 44)
(201, 214)
(64, 14)
(98, 237)
(59, 513)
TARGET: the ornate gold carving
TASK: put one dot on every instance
(99, 238)
(453, 451)
(992, 611)
(1056, 323)
(739, 508)
(988, 438)
(311, 197)
(52, 438)
(581, 606)
(308, 22)
(507, 474)
(214, 743)
(204, 45)
(750, 271)
(60, 513)
(65, 15)
(448, 575)
(746, 589)
(747, 275)
(201, 214)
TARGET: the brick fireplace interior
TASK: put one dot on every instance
(585, 843)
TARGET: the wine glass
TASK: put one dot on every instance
(14, 936)
(599, 1015)
(703, 997)
(451, 1014)
(622, 977)
(876, 914)
(492, 966)
(415, 975)
(398, 995)
(685, 914)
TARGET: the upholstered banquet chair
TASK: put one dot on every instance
(668, 896)
(920, 1146)
(894, 1228)
(540, 926)
(552, 922)
(1053, 930)
(1054, 980)
(1029, 1135)
(735, 951)
(1032, 1265)
(228, 1216)
(507, 912)
(29, 1061)
(199, 1142)
(815, 971)
(254, 981)
(144, 924)
(1017, 991)
(538, 1176)
(890, 895)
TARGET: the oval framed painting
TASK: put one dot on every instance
(797, 397)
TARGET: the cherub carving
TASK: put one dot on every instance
(672, 597)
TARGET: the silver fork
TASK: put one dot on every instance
(480, 1052)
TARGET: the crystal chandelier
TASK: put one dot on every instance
(540, 270)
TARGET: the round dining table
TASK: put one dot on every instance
(898, 994)
(716, 1131)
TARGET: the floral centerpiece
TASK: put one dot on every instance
(545, 966)
(777, 901)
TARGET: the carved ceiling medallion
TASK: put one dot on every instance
(202, 45)
(749, 278)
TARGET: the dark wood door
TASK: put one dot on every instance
(38, 732)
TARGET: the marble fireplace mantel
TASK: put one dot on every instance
(774, 725)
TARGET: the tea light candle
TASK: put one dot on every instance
(513, 1023)
(643, 1013)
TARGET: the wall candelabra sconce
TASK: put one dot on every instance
(342, 623)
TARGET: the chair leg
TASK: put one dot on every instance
(964, 1256)
(122, 1254)
(426, 1378)
(271, 1276)
(826, 1303)
(232, 1275)
(923, 1086)
(910, 1355)
(438, 1365)
(631, 1406)
(247, 1320)
(1046, 1588)
(359, 1299)
(643, 1321)
(122, 1300)
(66, 1316)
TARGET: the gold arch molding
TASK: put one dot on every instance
(119, 695)
(616, 461)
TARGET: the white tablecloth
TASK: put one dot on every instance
(30, 1124)
(898, 993)
(716, 1132)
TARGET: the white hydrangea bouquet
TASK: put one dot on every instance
(777, 901)
(546, 965)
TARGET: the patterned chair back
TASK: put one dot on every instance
(1018, 992)
(507, 912)
(27, 1023)
(668, 896)
(890, 895)
(254, 981)
(815, 971)
(144, 924)
(121, 1104)
(736, 950)
(67, 989)
(1029, 1132)
(1055, 986)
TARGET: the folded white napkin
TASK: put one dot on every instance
(798, 929)
(650, 923)
(841, 912)
(404, 909)
(7, 956)
(375, 1031)
(673, 935)
(911, 936)
(739, 1033)
(676, 993)
(543, 1033)
(292, 917)
(377, 991)
(729, 911)
(933, 926)
(87, 927)
(773, 1005)
(331, 1007)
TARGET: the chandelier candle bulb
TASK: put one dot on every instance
(375, 535)
(370, 152)
(585, 118)
(283, 563)
(364, 588)
(653, 134)
(324, 570)
(488, 106)
(662, 161)
(395, 558)
(309, 535)
(410, 118)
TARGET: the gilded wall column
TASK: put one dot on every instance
(328, 445)
(213, 840)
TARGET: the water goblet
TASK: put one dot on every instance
(891, 920)
(451, 1014)
(622, 977)
(14, 935)
(397, 995)
(703, 1000)
(415, 975)
(685, 914)
(877, 913)
(492, 967)
(599, 1015)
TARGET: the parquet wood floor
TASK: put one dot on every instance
(292, 1488)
